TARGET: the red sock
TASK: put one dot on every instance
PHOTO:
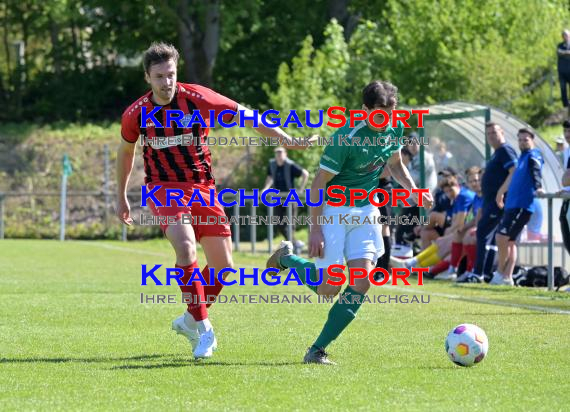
(440, 267)
(211, 290)
(196, 290)
(456, 249)
(471, 252)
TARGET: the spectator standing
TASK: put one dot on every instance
(281, 175)
(498, 172)
(429, 163)
(443, 158)
(563, 52)
(524, 184)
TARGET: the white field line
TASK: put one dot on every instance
(443, 295)
(484, 301)
(125, 249)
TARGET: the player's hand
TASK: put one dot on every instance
(316, 242)
(499, 200)
(539, 191)
(124, 212)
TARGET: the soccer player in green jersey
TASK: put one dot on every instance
(349, 163)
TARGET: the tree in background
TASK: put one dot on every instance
(487, 52)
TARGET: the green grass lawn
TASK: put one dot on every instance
(73, 336)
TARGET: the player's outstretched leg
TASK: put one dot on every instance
(195, 324)
(184, 243)
(283, 259)
(341, 314)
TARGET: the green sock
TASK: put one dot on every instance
(300, 264)
(340, 315)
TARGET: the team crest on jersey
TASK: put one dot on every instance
(186, 120)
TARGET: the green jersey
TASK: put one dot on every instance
(357, 157)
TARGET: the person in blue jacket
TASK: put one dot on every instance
(525, 184)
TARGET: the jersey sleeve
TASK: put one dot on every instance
(463, 202)
(216, 102)
(296, 170)
(399, 133)
(130, 131)
(334, 156)
(510, 158)
(535, 165)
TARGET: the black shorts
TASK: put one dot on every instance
(441, 229)
(513, 222)
(386, 210)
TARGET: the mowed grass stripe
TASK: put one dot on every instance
(63, 348)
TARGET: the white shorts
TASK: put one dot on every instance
(350, 238)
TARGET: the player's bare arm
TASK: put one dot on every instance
(283, 137)
(458, 222)
(267, 184)
(401, 174)
(125, 161)
(316, 239)
(304, 178)
(471, 224)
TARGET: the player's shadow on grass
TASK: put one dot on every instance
(184, 363)
(85, 360)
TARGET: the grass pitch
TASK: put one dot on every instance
(74, 336)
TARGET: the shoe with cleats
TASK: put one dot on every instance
(498, 279)
(180, 327)
(286, 248)
(206, 345)
(317, 355)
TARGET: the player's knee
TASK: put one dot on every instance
(186, 250)
(229, 263)
(361, 285)
(502, 239)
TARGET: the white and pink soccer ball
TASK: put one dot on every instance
(466, 345)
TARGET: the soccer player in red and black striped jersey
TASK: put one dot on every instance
(184, 167)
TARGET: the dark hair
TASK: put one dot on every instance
(380, 94)
(449, 181)
(491, 124)
(405, 151)
(527, 131)
(566, 124)
(473, 170)
(157, 53)
(448, 171)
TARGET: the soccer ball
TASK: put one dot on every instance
(466, 345)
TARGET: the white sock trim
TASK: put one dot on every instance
(204, 325)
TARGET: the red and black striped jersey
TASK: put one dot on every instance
(176, 162)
